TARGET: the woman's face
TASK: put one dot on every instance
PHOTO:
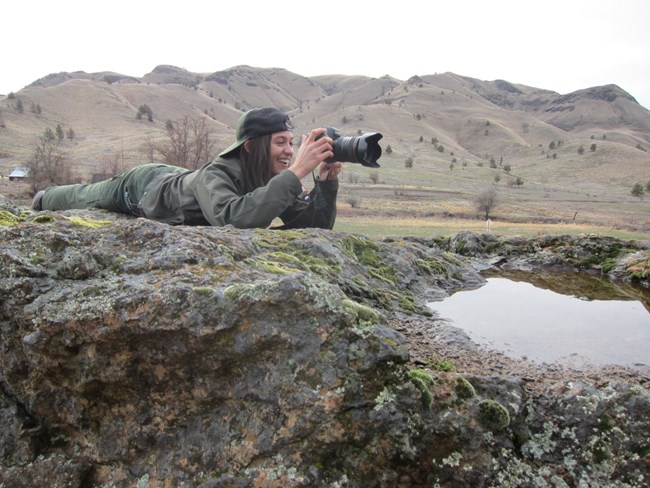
(281, 151)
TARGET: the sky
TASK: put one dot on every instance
(557, 45)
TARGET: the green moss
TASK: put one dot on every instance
(116, 265)
(365, 251)
(359, 282)
(36, 259)
(203, 290)
(589, 261)
(237, 292)
(8, 219)
(92, 223)
(43, 219)
(364, 314)
(639, 270)
(407, 301)
(273, 240)
(422, 375)
(601, 451)
(441, 364)
(493, 415)
(91, 290)
(464, 389)
(307, 262)
(605, 423)
(452, 258)
(275, 267)
(425, 394)
(608, 265)
(643, 450)
(432, 266)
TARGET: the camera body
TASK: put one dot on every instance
(363, 149)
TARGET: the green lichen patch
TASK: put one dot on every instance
(203, 290)
(274, 240)
(8, 219)
(366, 252)
(92, 223)
(275, 267)
(493, 415)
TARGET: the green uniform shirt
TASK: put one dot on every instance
(215, 195)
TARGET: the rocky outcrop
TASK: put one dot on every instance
(139, 354)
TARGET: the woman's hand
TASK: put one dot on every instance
(311, 153)
(329, 171)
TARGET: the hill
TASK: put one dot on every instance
(461, 133)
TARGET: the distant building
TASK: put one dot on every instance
(18, 174)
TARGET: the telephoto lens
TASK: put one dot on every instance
(363, 149)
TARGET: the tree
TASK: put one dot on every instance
(389, 150)
(485, 201)
(148, 149)
(592, 148)
(144, 109)
(409, 162)
(637, 190)
(581, 150)
(48, 165)
(190, 143)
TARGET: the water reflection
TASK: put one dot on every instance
(552, 317)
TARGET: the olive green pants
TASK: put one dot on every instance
(119, 194)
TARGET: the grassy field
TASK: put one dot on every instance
(380, 227)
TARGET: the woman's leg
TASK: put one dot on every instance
(119, 194)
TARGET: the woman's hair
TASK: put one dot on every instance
(256, 165)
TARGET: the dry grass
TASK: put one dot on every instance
(381, 227)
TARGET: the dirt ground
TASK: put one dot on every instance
(16, 191)
(432, 340)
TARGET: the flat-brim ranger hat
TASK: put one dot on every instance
(258, 122)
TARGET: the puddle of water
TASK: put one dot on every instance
(565, 318)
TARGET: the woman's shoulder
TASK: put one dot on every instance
(229, 166)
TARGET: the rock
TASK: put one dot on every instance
(140, 354)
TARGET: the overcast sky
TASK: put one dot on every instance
(557, 45)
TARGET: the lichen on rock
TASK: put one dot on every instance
(138, 353)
